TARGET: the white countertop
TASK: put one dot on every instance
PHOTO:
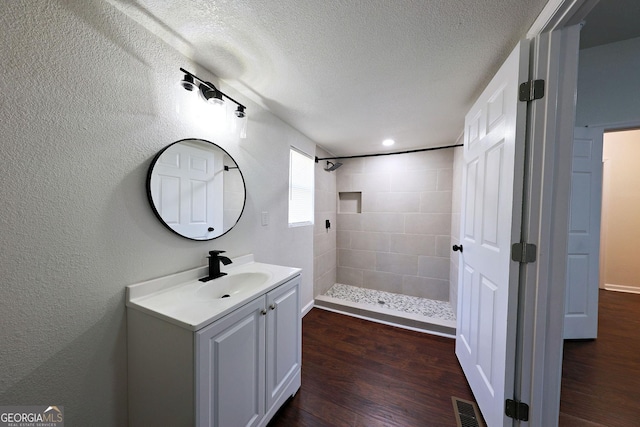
(171, 298)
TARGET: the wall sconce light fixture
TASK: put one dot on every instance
(213, 95)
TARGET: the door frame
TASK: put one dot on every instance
(555, 36)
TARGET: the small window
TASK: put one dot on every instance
(301, 172)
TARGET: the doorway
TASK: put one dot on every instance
(598, 374)
(595, 371)
(603, 224)
(553, 121)
(620, 229)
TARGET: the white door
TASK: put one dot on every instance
(491, 212)
(188, 189)
(581, 300)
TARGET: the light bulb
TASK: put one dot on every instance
(243, 127)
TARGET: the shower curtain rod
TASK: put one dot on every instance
(389, 154)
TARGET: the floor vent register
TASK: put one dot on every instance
(467, 413)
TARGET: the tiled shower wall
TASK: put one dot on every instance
(400, 241)
(324, 239)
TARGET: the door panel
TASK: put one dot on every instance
(188, 186)
(491, 200)
(490, 222)
(463, 329)
(583, 262)
(470, 192)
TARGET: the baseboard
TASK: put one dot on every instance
(622, 288)
(307, 308)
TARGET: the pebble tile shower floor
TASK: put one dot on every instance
(403, 303)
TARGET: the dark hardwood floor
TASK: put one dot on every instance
(601, 378)
(359, 373)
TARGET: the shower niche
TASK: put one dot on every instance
(350, 202)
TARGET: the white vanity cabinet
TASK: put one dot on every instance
(248, 363)
(236, 371)
(230, 369)
(283, 343)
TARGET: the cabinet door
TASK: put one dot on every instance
(284, 345)
(230, 369)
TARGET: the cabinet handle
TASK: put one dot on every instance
(272, 307)
(263, 312)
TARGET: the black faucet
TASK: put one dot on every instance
(214, 265)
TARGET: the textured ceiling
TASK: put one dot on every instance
(349, 73)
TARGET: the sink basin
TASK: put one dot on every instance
(231, 285)
(183, 300)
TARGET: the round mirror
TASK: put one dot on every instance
(196, 189)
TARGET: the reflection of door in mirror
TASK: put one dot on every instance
(187, 187)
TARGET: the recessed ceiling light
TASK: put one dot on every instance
(388, 142)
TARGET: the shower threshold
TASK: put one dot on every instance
(414, 313)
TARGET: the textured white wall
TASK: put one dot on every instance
(88, 98)
(608, 84)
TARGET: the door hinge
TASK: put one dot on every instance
(516, 410)
(523, 252)
(531, 90)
